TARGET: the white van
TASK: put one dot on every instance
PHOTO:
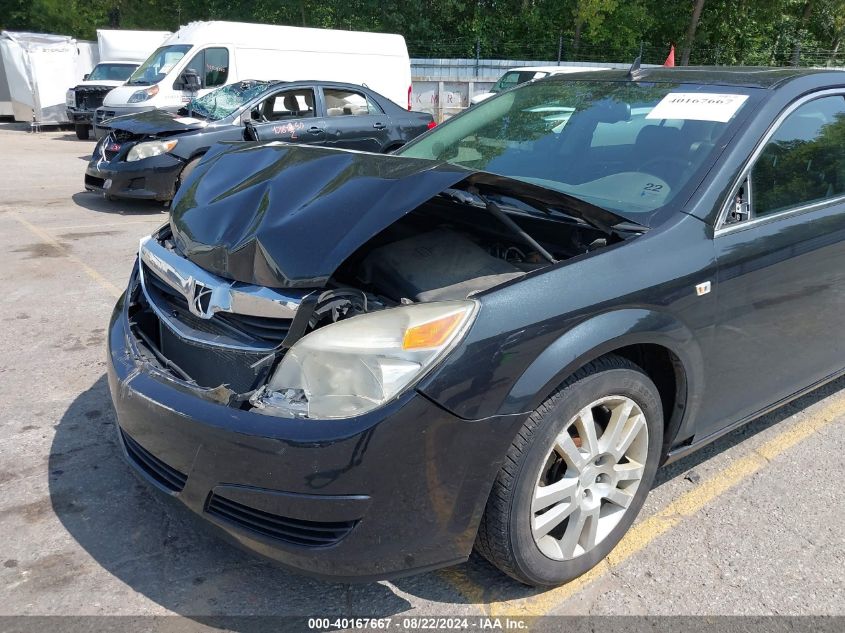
(205, 55)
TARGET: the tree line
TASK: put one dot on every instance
(752, 32)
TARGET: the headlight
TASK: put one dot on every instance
(70, 98)
(142, 95)
(150, 148)
(354, 366)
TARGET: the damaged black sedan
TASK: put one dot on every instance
(364, 366)
(148, 155)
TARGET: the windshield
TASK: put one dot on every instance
(623, 146)
(220, 103)
(516, 77)
(111, 72)
(158, 65)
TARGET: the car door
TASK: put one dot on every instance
(781, 259)
(289, 115)
(354, 121)
(211, 66)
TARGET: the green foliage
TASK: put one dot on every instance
(729, 31)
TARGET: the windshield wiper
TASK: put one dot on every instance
(474, 198)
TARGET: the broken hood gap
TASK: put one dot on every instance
(287, 216)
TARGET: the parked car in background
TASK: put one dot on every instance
(516, 76)
(367, 365)
(87, 96)
(147, 155)
(203, 56)
(125, 49)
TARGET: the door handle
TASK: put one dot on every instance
(315, 130)
(379, 125)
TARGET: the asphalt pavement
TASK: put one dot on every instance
(752, 525)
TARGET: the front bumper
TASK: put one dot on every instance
(80, 117)
(147, 179)
(394, 492)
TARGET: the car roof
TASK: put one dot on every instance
(557, 69)
(275, 83)
(744, 76)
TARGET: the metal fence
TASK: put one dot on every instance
(466, 69)
(444, 87)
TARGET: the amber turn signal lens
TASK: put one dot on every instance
(431, 334)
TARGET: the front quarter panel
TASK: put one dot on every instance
(193, 144)
(533, 333)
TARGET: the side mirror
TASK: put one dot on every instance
(192, 79)
(189, 80)
(85, 76)
(250, 133)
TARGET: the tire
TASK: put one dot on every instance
(82, 132)
(513, 533)
(189, 167)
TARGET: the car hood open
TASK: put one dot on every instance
(153, 122)
(284, 216)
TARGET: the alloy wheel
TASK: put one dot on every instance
(589, 478)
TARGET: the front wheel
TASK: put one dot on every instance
(82, 132)
(187, 170)
(576, 475)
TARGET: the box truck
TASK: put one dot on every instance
(38, 68)
(202, 56)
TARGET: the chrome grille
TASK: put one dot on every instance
(203, 308)
(90, 97)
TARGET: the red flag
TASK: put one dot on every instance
(670, 60)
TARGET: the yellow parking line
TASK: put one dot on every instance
(49, 239)
(648, 530)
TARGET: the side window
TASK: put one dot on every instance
(804, 161)
(349, 103)
(216, 67)
(285, 105)
(196, 64)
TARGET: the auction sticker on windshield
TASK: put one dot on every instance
(697, 106)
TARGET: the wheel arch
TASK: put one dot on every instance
(662, 346)
(197, 153)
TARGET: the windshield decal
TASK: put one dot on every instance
(698, 106)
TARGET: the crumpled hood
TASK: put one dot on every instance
(155, 122)
(283, 215)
